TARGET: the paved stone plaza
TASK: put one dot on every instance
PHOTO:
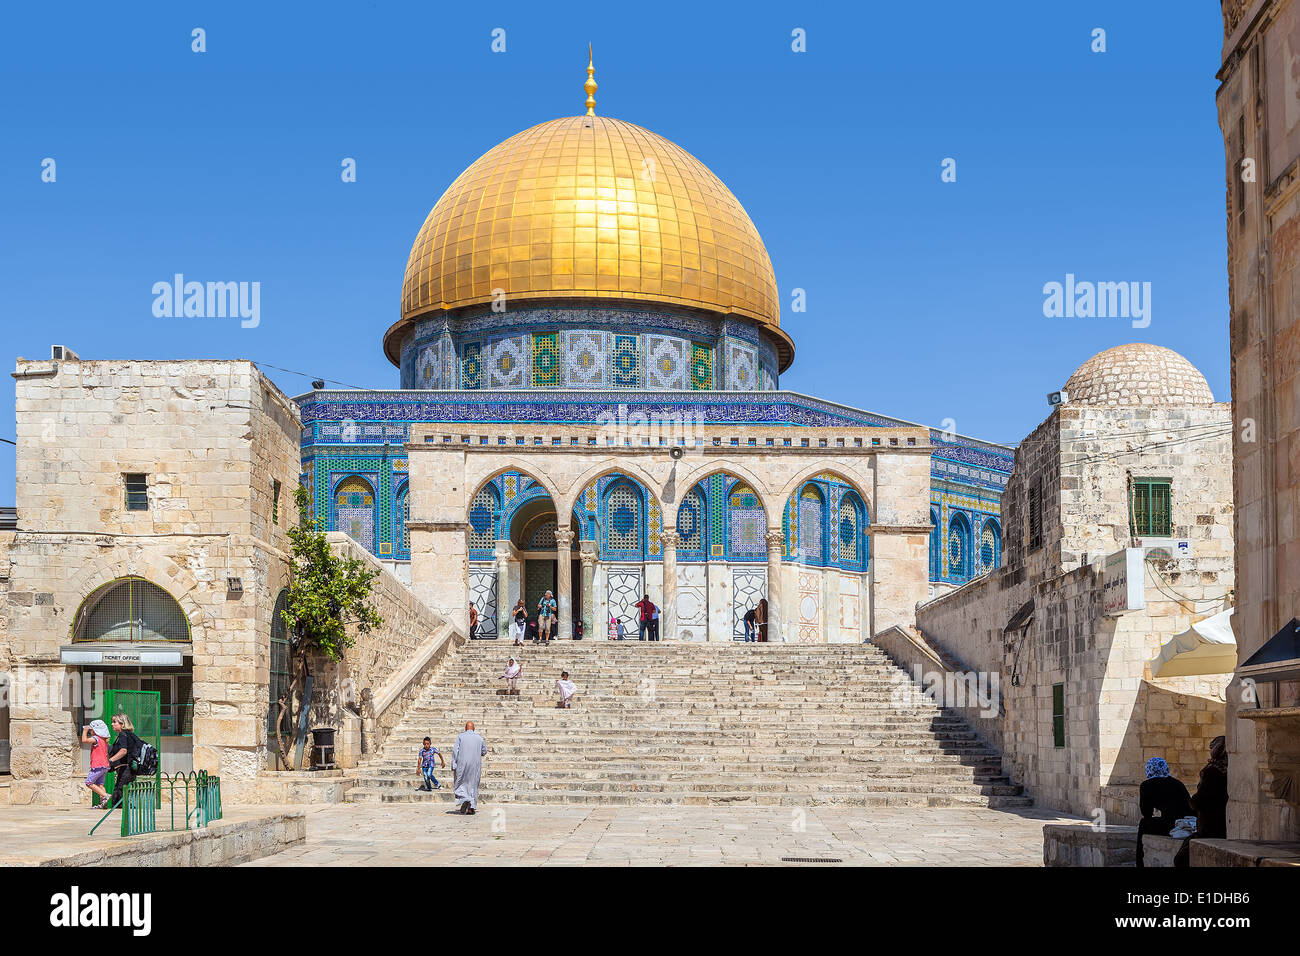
(532, 835)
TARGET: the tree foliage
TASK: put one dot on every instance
(328, 604)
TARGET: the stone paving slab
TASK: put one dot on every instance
(519, 834)
(58, 836)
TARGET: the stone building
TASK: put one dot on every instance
(150, 554)
(584, 299)
(1137, 462)
(1261, 133)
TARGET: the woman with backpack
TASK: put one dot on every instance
(122, 754)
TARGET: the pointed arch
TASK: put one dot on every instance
(484, 519)
(850, 540)
(811, 517)
(355, 507)
(746, 522)
(960, 557)
(401, 518)
(936, 546)
(990, 545)
(693, 525)
(624, 510)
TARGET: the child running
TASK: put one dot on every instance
(428, 753)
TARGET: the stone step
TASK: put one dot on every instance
(859, 798)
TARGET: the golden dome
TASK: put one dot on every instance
(588, 207)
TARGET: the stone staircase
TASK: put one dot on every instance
(695, 724)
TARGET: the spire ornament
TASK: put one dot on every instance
(590, 85)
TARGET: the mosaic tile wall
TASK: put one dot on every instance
(825, 525)
(967, 537)
(588, 348)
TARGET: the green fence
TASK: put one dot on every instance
(185, 801)
(144, 709)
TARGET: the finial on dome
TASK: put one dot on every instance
(590, 85)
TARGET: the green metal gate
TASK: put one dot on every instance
(144, 709)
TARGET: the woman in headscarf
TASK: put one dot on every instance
(1210, 802)
(1162, 799)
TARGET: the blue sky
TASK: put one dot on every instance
(924, 298)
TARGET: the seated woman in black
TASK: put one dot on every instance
(1160, 793)
(121, 752)
(1210, 802)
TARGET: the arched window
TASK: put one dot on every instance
(812, 521)
(692, 517)
(959, 547)
(131, 610)
(354, 510)
(850, 531)
(746, 523)
(281, 674)
(623, 518)
(402, 515)
(936, 551)
(990, 545)
(484, 513)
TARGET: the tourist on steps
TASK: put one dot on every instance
(546, 610)
(521, 622)
(1162, 799)
(511, 675)
(425, 762)
(751, 628)
(467, 755)
(646, 608)
(473, 623)
(567, 688)
(654, 622)
(760, 621)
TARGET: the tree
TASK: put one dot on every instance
(327, 604)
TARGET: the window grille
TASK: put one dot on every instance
(137, 492)
(131, 610)
(1150, 507)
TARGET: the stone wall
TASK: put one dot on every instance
(346, 690)
(1116, 715)
(1259, 123)
(210, 436)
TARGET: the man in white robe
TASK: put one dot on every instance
(567, 689)
(511, 675)
(467, 755)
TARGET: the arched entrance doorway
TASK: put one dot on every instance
(532, 533)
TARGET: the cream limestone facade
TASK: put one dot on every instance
(214, 442)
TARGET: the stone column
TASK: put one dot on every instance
(564, 582)
(589, 626)
(668, 605)
(504, 603)
(775, 621)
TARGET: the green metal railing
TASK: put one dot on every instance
(193, 801)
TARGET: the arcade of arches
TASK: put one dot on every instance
(707, 535)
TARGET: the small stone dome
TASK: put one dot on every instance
(1138, 374)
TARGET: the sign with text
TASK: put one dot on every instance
(1123, 581)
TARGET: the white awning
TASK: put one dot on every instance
(1207, 647)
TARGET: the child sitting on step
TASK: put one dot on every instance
(427, 754)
